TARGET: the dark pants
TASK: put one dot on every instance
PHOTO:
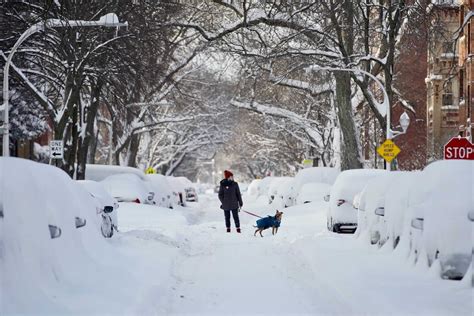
(235, 215)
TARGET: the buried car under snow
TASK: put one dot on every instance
(128, 187)
(441, 228)
(106, 206)
(341, 214)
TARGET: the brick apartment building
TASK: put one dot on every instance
(466, 68)
(450, 103)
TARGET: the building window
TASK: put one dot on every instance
(448, 93)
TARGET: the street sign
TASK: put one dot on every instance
(459, 148)
(56, 149)
(388, 150)
(150, 170)
(307, 163)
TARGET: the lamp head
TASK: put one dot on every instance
(404, 121)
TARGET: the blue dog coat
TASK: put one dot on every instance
(268, 222)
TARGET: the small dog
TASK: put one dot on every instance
(267, 222)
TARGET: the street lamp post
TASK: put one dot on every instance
(108, 20)
(404, 118)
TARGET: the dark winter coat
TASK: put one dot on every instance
(267, 222)
(229, 195)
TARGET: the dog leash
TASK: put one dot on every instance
(251, 214)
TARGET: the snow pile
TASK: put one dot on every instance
(100, 172)
(253, 190)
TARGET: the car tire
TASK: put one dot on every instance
(335, 228)
(106, 227)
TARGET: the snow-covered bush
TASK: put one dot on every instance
(341, 213)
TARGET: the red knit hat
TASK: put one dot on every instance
(227, 174)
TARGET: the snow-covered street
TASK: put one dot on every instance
(189, 265)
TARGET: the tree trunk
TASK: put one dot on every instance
(133, 150)
(84, 143)
(350, 151)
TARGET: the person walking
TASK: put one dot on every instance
(231, 199)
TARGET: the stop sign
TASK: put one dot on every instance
(459, 148)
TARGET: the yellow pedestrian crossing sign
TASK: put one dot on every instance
(150, 170)
(388, 150)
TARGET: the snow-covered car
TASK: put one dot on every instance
(341, 214)
(253, 190)
(128, 187)
(163, 194)
(447, 195)
(272, 194)
(371, 221)
(106, 206)
(286, 192)
(312, 192)
(191, 195)
(397, 206)
(178, 186)
(264, 186)
(96, 172)
(316, 175)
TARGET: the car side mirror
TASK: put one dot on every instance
(470, 215)
(54, 231)
(151, 195)
(80, 222)
(380, 211)
(108, 209)
(326, 198)
(417, 223)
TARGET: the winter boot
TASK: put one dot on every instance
(238, 230)
(228, 229)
